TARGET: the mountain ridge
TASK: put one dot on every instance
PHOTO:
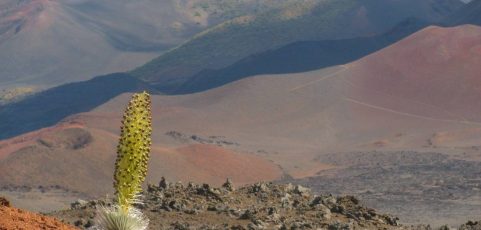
(300, 21)
(46, 43)
(300, 56)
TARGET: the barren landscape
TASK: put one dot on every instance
(366, 128)
(312, 114)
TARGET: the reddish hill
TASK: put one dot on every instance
(438, 68)
(80, 159)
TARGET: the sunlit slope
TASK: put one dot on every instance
(300, 56)
(51, 42)
(230, 41)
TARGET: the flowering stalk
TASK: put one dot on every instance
(133, 153)
(133, 150)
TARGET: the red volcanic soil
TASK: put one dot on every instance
(212, 164)
(221, 162)
(434, 73)
(16, 219)
(81, 159)
(15, 144)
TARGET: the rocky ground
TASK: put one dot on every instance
(259, 206)
(419, 187)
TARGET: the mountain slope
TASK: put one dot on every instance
(469, 14)
(49, 107)
(50, 42)
(228, 42)
(323, 53)
(300, 57)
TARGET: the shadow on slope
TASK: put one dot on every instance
(300, 57)
(229, 42)
(469, 14)
(50, 106)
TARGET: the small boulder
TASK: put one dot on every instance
(302, 191)
(260, 187)
(4, 202)
(228, 185)
(163, 184)
(471, 225)
(78, 204)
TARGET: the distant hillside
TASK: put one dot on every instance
(50, 42)
(305, 20)
(81, 160)
(300, 57)
(49, 107)
(469, 14)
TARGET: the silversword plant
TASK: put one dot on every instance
(130, 168)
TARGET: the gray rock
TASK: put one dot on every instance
(286, 201)
(302, 191)
(228, 185)
(471, 225)
(260, 187)
(248, 214)
(163, 184)
(340, 226)
(329, 201)
(445, 227)
(78, 204)
(323, 212)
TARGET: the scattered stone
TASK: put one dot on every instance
(329, 201)
(80, 222)
(191, 186)
(4, 202)
(286, 201)
(163, 184)
(340, 226)
(90, 223)
(303, 191)
(78, 204)
(260, 188)
(471, 225)
(248, 215)
(258, 206)
(180, 226)
(228, 185)
(445, 227)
